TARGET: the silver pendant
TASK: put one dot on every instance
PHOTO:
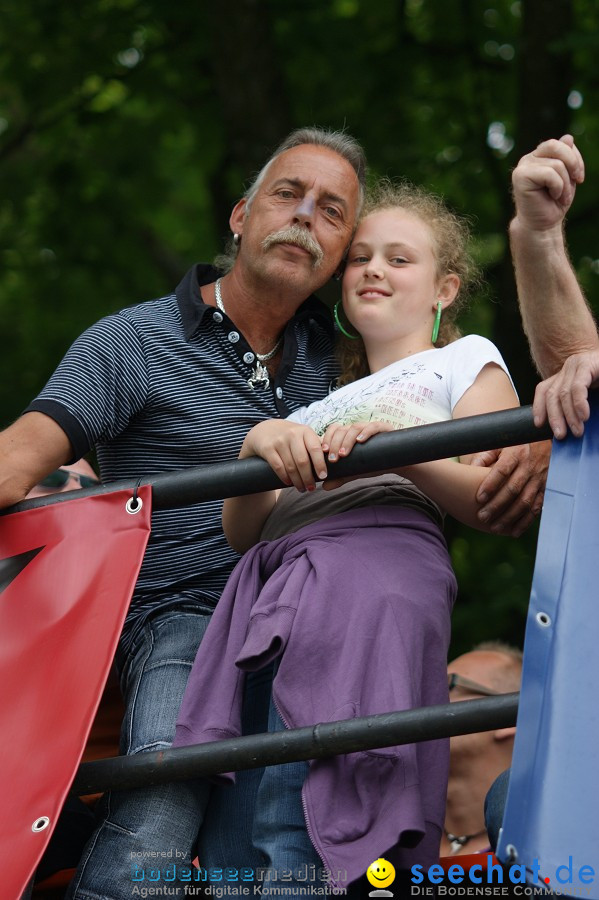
(259, 377)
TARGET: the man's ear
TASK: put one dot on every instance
(338, 273)
(237, 217)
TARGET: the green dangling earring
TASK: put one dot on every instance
(352, 337)
(437, 322)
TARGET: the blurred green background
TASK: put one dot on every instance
(128, 127)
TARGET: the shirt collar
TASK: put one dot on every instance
(193, 309)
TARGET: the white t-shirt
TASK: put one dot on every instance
(417, 390)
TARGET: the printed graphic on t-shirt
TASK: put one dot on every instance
(403, 400)
(416, 390)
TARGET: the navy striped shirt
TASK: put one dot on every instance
(163, 386)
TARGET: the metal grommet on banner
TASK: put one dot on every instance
(40, 824)
(543, 619)
(134, 503)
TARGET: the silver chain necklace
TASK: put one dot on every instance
(457, 841)
(260, 376)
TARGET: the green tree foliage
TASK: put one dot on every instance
(128, 127)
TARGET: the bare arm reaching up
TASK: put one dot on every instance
(555, 314)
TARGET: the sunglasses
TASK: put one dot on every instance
(59, 478)
(454, 680)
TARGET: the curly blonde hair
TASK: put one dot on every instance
(451, 236)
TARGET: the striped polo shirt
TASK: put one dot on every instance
(163, 386)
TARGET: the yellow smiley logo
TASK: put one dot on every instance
(380, 873)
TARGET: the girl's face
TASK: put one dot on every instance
(390, 284)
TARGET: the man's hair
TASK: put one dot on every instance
(338, 141)
(506, 676)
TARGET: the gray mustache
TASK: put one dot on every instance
(298, 236)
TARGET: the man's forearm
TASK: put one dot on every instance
(555, 314)
(30, 448)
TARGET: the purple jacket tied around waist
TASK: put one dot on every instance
(358, 607)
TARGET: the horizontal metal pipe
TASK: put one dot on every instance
(423, 443)
(313, 742)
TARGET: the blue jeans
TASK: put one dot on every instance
(495, 806)
(164, 819)
(225, 840)
(265, 808)
(280, 832)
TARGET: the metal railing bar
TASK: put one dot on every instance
(228, 479)
(313, 742)
(423, 443)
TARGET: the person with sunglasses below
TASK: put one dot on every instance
(351, 590)
(475, 760)
(67, 478)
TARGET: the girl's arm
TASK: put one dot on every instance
(244, 518)
(451, 484)
(292, 451)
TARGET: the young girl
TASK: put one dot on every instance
(350, 590)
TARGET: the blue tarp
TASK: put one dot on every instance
(552, 811)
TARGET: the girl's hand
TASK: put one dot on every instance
(292, 451)
(338, 439)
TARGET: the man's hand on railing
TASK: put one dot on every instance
(563, 399)
(511, 496)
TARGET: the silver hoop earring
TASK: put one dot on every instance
(236, 239)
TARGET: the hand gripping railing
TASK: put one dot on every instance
(382, 452)
(440, 440)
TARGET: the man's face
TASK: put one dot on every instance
(477, 668)
(66, 478)
(312, 191)
(480, 668)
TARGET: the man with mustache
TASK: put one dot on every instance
(174, 383)
(178, 382)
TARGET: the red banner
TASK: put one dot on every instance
(67, 572)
